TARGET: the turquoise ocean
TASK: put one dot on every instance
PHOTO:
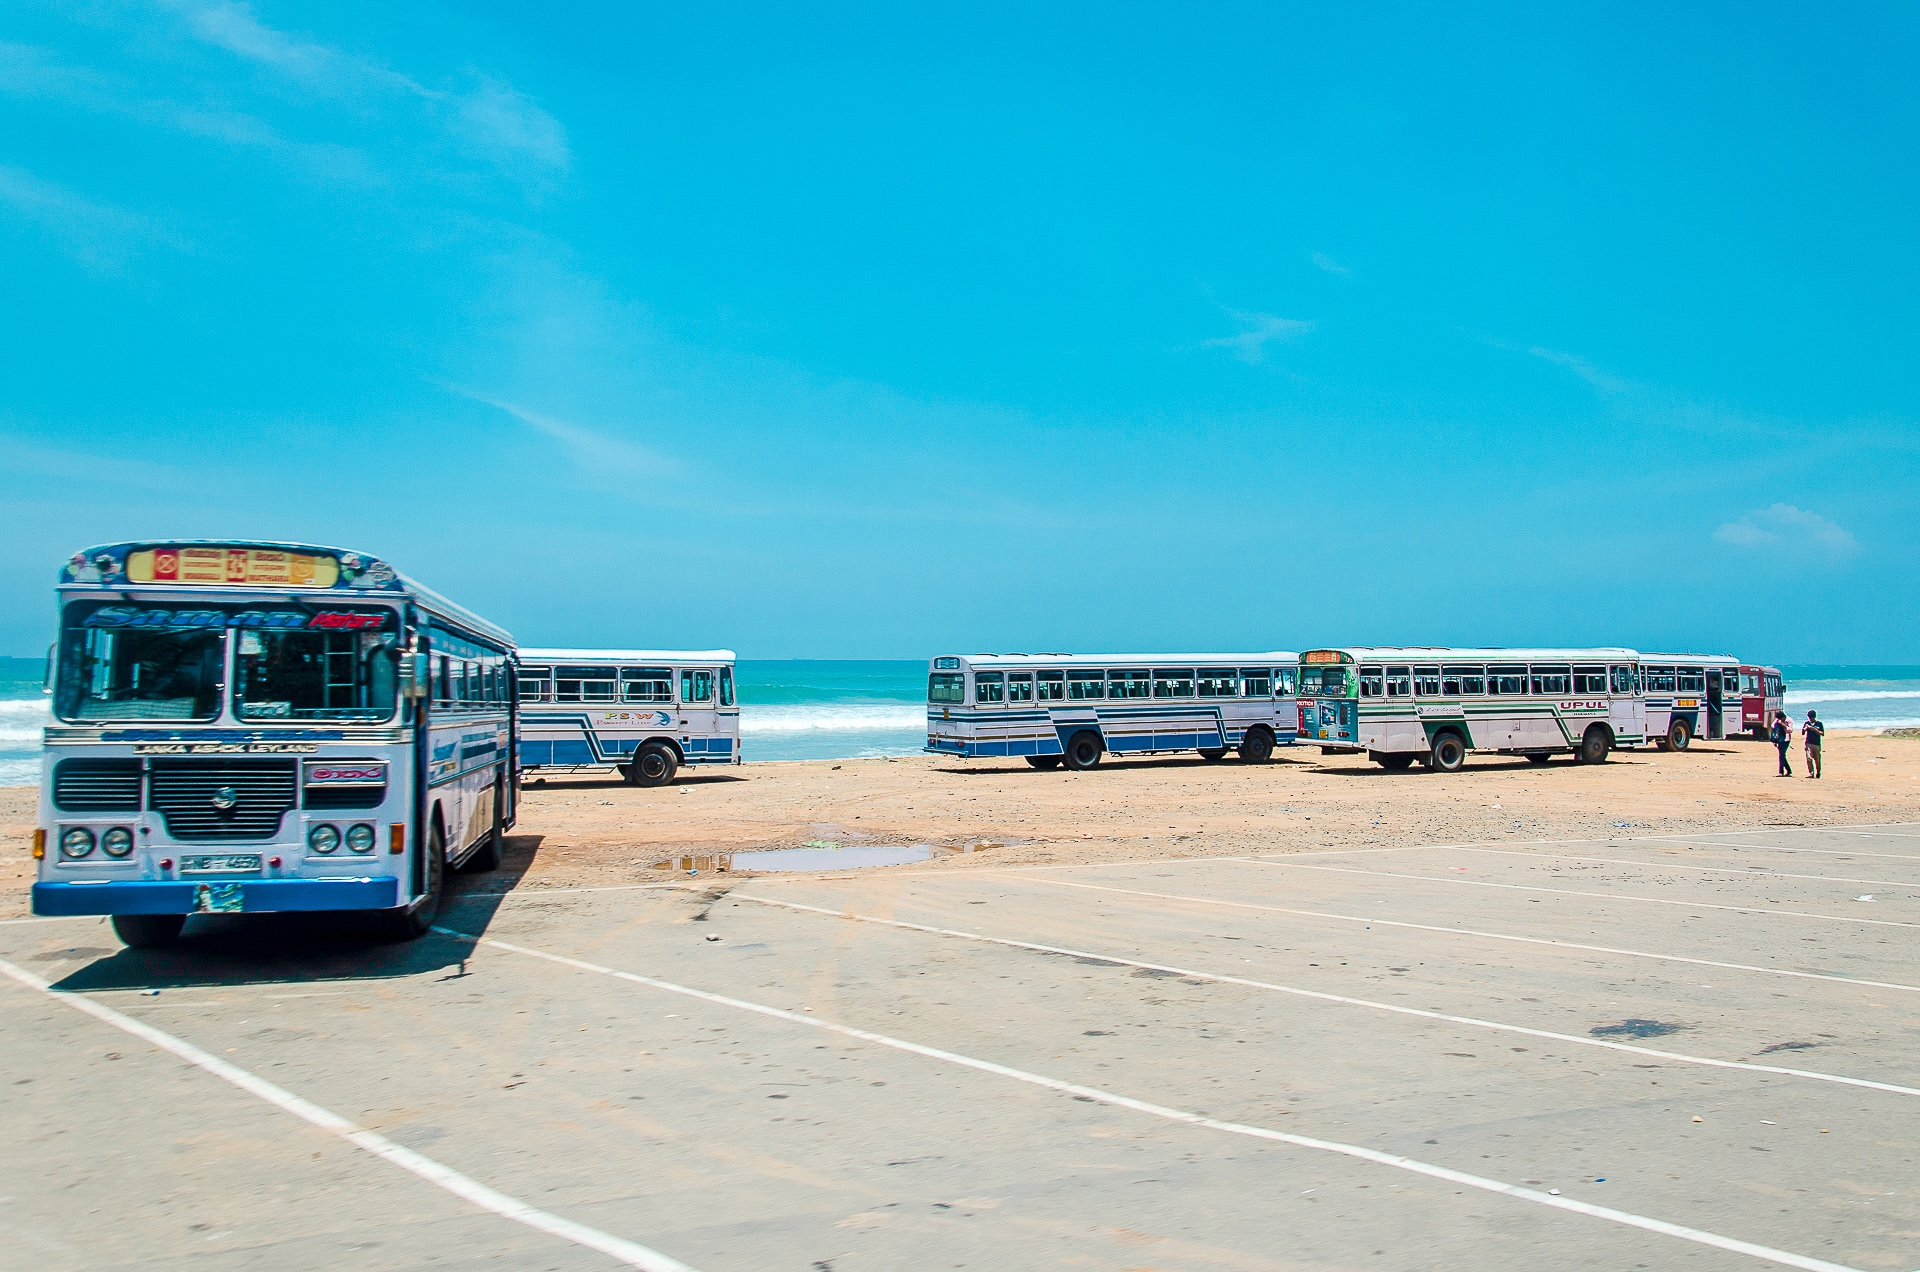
(806, 709)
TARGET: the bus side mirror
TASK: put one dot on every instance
(414, 675)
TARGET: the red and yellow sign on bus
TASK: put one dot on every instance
(223, 566)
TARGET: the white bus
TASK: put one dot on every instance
(1052, 709)
(1401, 704)
(249, 726)
(645, 712)
(1689, 696)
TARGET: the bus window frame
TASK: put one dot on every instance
(985, 680)
(1017, 681)
(1426, 681)
(1045, 680)
(1092, 682)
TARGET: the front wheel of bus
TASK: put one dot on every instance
(1679, 734)
(1083, 751)
(1257, 746)
(1044, 761)
(415, 919)
(148, 931)
(1449, 754)
(1594, 745)
(653, 765)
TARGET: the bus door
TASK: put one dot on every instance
(1628, 715)
(699, 717)
(1716, 725)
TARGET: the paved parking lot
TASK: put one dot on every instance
(1691, 1052)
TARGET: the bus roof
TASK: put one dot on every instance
(1690, 658)
(627, 655)
(1440, 653)
(110, 567)
(1120, 660)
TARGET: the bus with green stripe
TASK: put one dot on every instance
(1401, 704)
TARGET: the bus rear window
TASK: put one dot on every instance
(1324, 681)
(946, 686)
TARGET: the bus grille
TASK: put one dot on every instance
(336, 797)
(187, 793)
(97, 786)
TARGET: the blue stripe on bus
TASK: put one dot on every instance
(176, 896)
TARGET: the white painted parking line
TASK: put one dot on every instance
(630, 1253)
(1824, 852)
(1099, 1096)
(1473, 1021)
(53, 918)
(1738, 872)
(1602, 896)
(1460, 931)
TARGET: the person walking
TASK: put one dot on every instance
(1814, 732)
(1782, 739)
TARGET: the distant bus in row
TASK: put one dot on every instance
(645, 712)
(251, 726)
(1071, 709)
(1434, 705)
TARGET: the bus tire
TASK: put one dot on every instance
(1448, 753)
(1679, 734)
(1394, 761)
(1044, 761)
(654, 764)
(1083, 750)
(1256, 746)
(1211, 753)
(148, 931)
(1538, 757)
(415, 919)
(1594, 745)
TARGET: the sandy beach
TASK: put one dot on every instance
(592, 831)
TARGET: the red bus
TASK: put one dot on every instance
(1761, 693)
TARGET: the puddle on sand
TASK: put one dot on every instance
(835, 858)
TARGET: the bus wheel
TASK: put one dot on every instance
(1083, 751)
(1213, 753)
(148, 931)
(653, 765)
(415, 919)
(1257, 746)
(1538, 757)
(1044, 761)
(1679, 735)
(1449, 753)
(1594, 745)
(1394, 761)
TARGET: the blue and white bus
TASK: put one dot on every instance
(643, 712)
(1054, 709)
(243, 726)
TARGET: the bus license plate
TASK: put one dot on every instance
(223, 863)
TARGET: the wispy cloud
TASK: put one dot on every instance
(98, 235)
(1559, 358)
(489, 117)
(1250, 346)
(1322, 261)
(597, 452)
(1786, 530)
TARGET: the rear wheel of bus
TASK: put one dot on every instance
(1448, 753)
(654, 764)
(1083, 751)
(1679, 734)
(1044, 761)
(148, 931)
(1257, 746)
(1211, 753)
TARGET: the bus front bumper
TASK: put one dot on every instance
(231, 896)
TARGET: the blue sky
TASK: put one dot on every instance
(855, 332)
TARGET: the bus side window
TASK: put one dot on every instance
(1507, 682)
(726, 686)
(1128, 684)
(1256, 682)
(989, 686)
(1086, 684)
(444, 694)
(1589, 679)
(1473, 680)
(696, 686)
(1426, 682)
(1171, 683)
(1399, 682)
(1052, 686)
(646, 684)
(1217, 682)
(1020, 687)
(1551, 682)
(1283, 681)
(1371, 683)
(536, 684)
(1622, 682)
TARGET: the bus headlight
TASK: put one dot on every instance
(360, 837)
(323, 839)
(117, 841)
(76, 843)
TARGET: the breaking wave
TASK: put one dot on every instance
(832, 717)
(21, 720)
(1797, 696)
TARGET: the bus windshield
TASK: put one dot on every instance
(1325, 682)
(148, 662)
(313, 675)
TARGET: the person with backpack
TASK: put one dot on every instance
(1814, 732)
(1782, 739)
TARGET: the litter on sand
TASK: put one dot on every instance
(1867, 897)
